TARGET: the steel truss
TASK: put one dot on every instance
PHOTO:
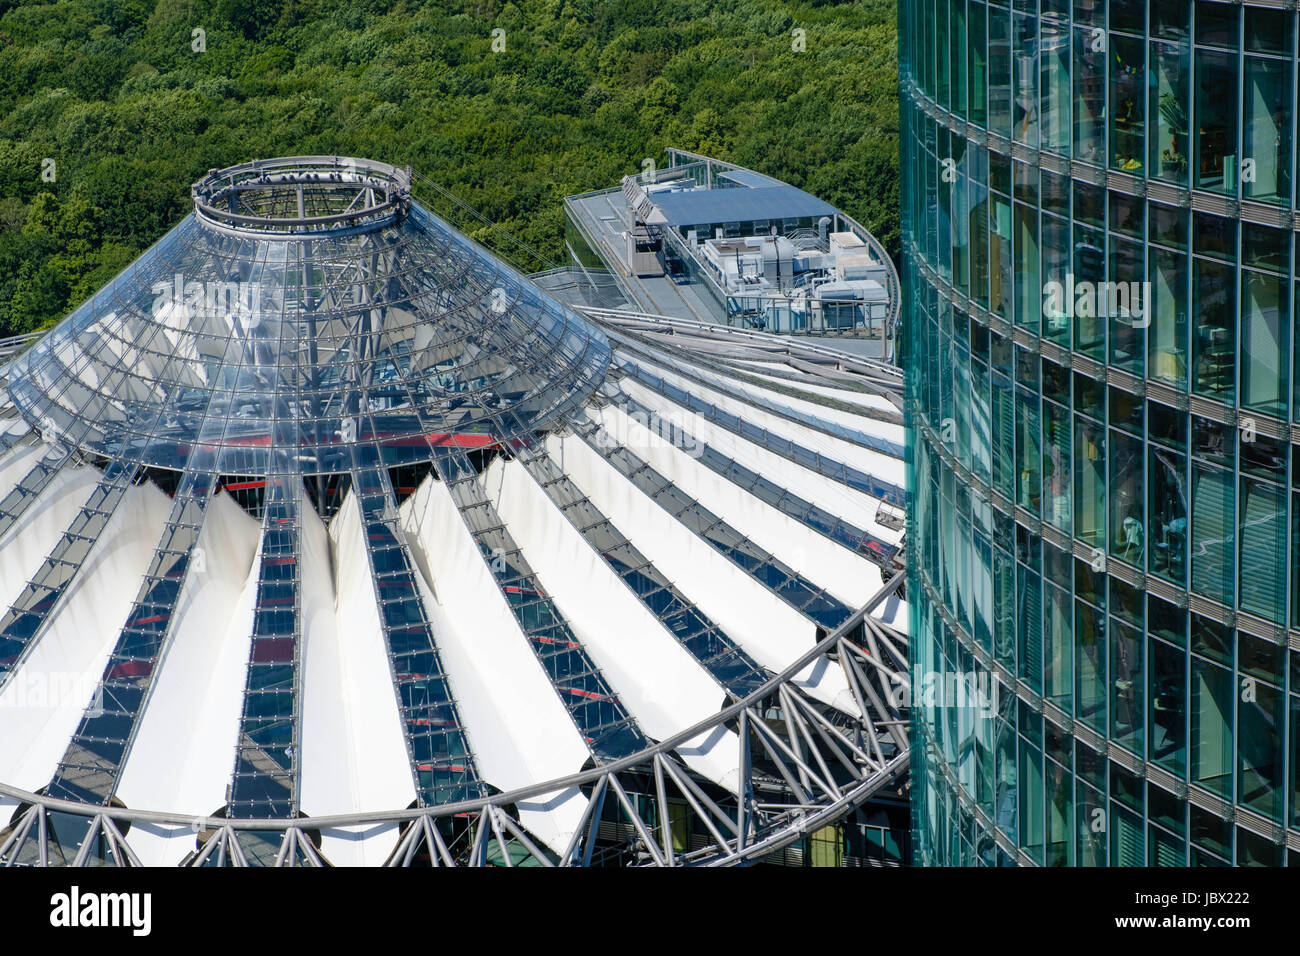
(802, 766)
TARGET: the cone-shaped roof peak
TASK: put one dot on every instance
(307, 316)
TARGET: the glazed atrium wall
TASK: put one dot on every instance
(1104, 480)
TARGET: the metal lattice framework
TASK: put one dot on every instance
(387, 437)
(822, 771)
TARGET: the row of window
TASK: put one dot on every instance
(1172, 493)
(1067, 819)
(1199, 95)
(1197, 301)
(1206, 704)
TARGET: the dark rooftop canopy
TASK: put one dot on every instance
(695, 207)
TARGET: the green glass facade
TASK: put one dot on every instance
(1100, 217)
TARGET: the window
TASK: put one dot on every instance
(1055, 83)
(1060, 812)
(1263, 549)
(1166, 736)
(825, 846)
(1169, 19)
(1058, 684)
(1216, 121)
(1268, 31)
(1127, 530)
(956, 35)
(1025, 79)
(1167, 502)
(1212, 726)
(1089, 97)
(1031, 801)
(1029, 293)
(1216, 24)
(1127, 104)
(1126, 843)
(1124, 304)
(1090, 482)
(1126, 685)
(1090, 666)
(1266, 130)
(999, 71)
(1294, 762)
(979, 241)
(1167, 331)
(1000, 255)
(1056, 268)
(1028, 458)
(1259, 748)
(1212, 533)
(1264, 346)
(1089, 255)
(1056, 463)
(1214, 355)
(977, 52)
(1170, 130)
(1029, 620)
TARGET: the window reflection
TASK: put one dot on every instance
(1216, 122)
(1263, 549)
(1167, 473)
(1090, 482)
(1212, 533)
(1170, 128)
(1266, 130)
(1089, 99)
(1212, 726)
(1166, 740)
(1127, 99)
(1215, 338)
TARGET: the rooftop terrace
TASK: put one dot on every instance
(706, 240)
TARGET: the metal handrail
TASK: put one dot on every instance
(553, 786)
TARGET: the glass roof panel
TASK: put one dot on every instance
(259, 320)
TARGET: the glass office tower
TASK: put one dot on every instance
(1100, 208)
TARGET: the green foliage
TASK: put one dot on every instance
(115, 94)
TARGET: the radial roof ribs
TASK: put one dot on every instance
(311, 291)
(351, 545)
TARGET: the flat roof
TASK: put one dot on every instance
(696, 207)
(748, 177)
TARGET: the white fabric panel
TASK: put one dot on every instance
(864, 399)
(362, 845)
(854, 506)
(520, 732)
(17, 426)
(877, 464)
(892, 611)
(30, 541)
(771, 631)
(657, 680)
(354, 755)
(184, 751)
(845, 574)
(869, 426)
(17, 462)
(70, 654)
(162, 844)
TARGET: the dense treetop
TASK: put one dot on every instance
(114, 93)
